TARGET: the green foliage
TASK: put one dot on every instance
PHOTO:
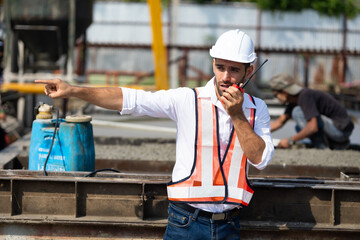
(327, 7)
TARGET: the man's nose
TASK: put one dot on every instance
(227, 76)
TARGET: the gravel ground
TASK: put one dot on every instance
(150, 151)
(164, 150)
(315, 157)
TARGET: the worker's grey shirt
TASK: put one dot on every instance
(314, 103)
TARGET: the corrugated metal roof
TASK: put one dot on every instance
(200, 25)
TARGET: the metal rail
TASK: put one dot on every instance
(118, 205)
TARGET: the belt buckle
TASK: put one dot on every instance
(218, 216)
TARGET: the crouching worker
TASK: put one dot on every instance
(220, 130)
(318, 115)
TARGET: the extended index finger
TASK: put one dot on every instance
(42, 81)
(45, 81)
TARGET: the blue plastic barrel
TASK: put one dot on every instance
(73, 147)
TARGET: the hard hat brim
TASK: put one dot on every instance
(235, 58)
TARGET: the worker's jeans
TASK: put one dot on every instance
(327, 129)
(185, 225)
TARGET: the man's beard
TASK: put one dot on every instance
(217, 85)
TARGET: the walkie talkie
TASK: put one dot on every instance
(243, 86)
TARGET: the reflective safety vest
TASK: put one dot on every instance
(212, 179)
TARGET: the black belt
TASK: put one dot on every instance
(214, 216)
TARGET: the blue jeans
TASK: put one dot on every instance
(327, 130)
(186, 225)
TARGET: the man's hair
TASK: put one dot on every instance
(246, 65)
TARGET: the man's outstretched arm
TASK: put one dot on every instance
(106, 97)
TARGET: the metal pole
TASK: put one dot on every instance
(71, 41)
(258, 34)
(159, 50)
(343, 51)
(306, 70)
(174, 70)
(258, 29)
(8, 42)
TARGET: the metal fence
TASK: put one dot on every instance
(319, 51)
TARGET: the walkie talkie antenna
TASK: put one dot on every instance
(243, 86)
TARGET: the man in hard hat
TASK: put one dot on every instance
(318, 115)
(220, 130)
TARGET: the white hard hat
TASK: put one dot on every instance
(234, 45)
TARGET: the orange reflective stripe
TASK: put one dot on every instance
(227, 162)
(203, 199)
(252, 118)
(252, 115)
(242, 179)
(234, 200)
(197, 171)
(217, 176)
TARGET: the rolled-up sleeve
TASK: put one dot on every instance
(262, 129)
(129, 101)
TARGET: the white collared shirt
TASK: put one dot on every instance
(179, 105)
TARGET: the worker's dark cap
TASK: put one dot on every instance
(284, 82)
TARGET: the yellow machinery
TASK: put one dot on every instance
(159, 56)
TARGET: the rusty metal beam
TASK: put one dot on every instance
(65, 230)
(138, 201)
